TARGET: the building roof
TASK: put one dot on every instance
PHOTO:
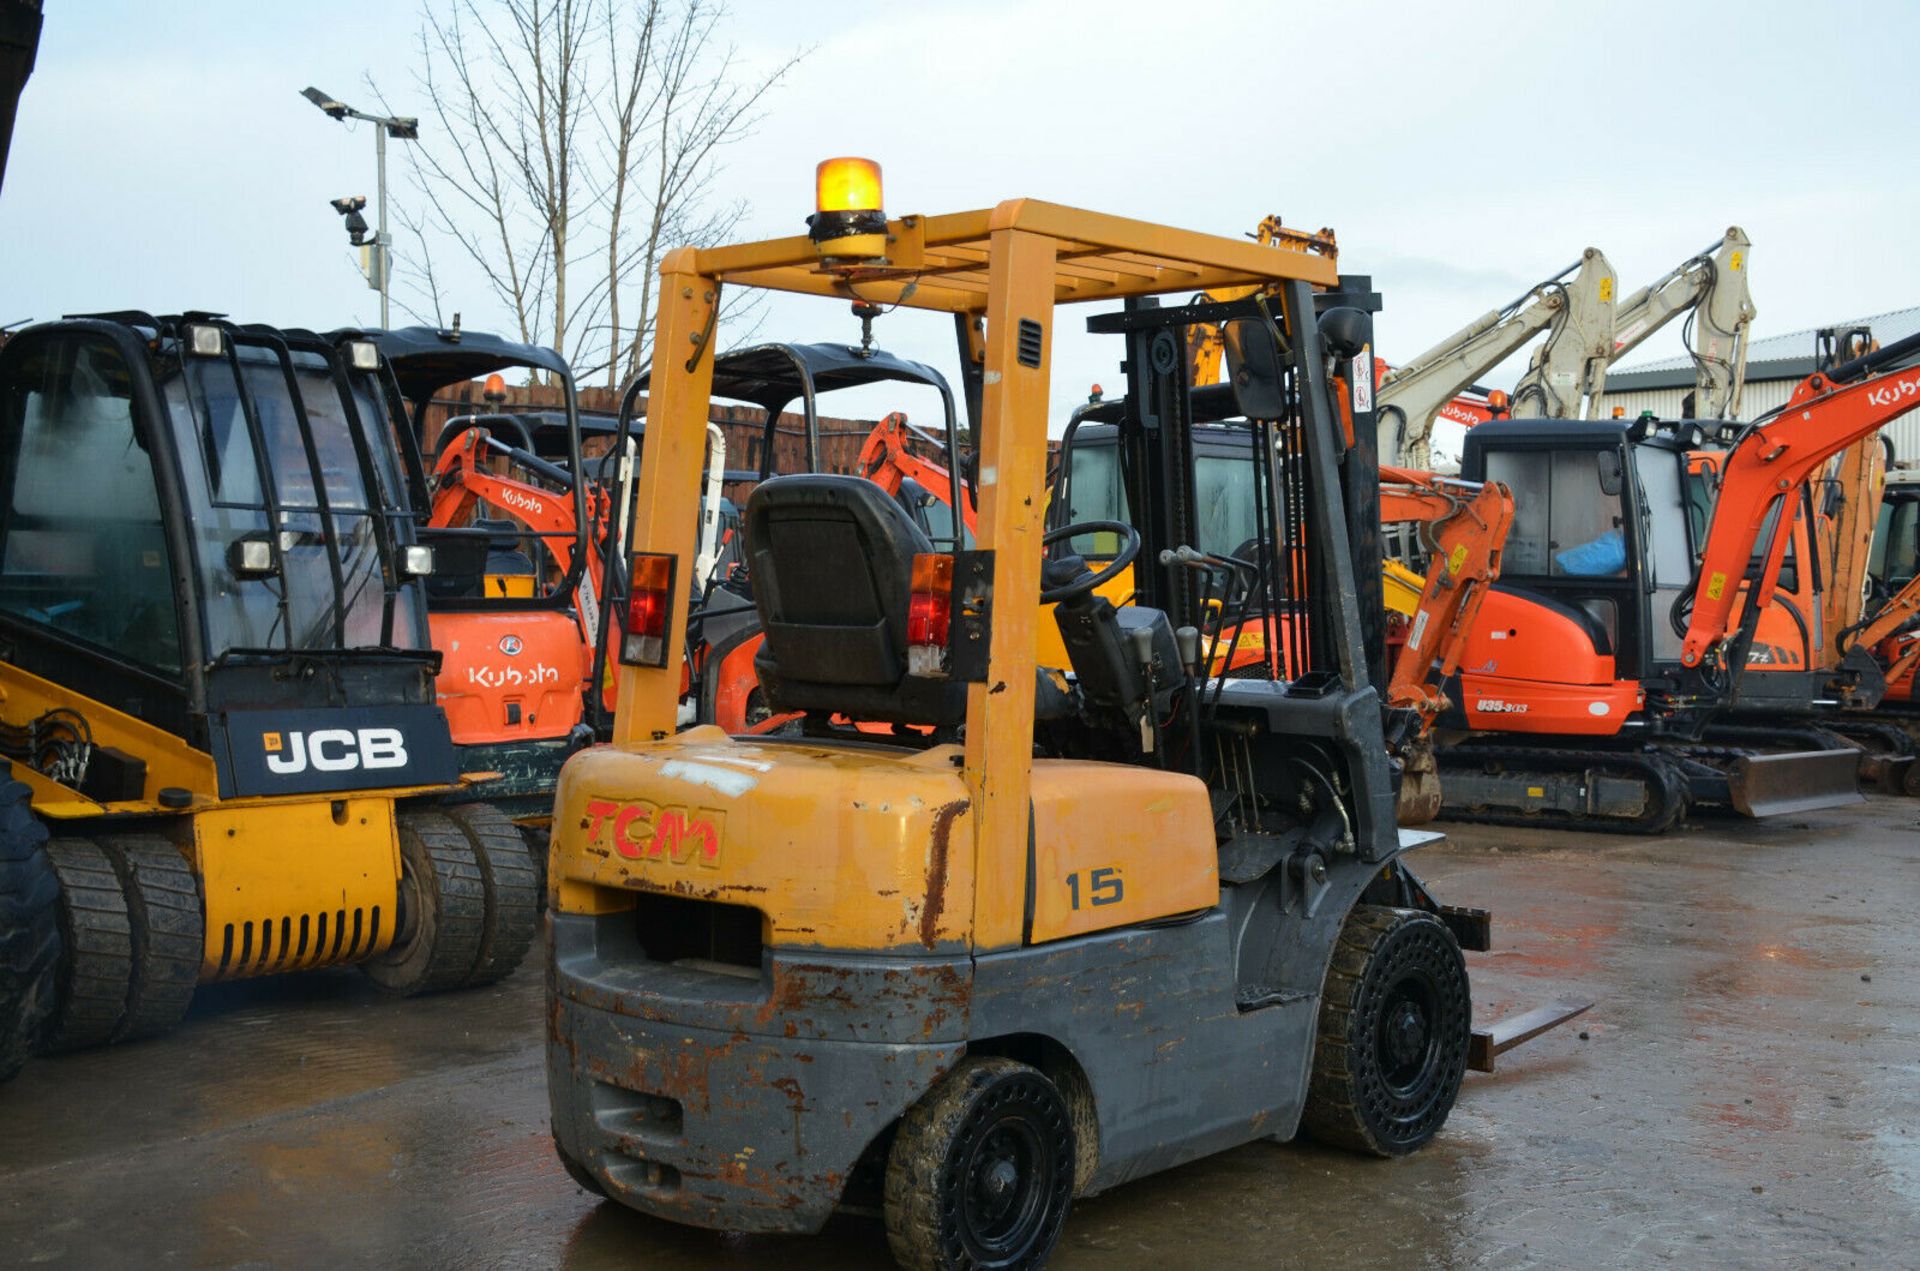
(1777, 357)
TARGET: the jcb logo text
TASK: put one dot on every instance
(334, 750)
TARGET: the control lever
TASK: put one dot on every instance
(1188, 641)
(1142, 640)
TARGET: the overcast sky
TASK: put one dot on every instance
(163, 159)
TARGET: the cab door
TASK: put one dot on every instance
(88, 566)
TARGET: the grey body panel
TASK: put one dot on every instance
(1177, 1069)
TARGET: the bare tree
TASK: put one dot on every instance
(571, 143)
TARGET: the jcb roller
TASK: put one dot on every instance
(217, 688)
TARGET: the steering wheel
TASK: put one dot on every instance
(1129, 548)
(492, 423)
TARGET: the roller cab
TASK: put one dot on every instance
(217, 695)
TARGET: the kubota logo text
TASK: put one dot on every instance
(646, 831)
(525, 502)
(334, 750)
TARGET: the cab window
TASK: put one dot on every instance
(84, 549)
(1568, 515)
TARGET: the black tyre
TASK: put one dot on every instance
(442, 910)
(981, 1172)
(96, 967)
(539, 840)
(512, 892)
(168, 929)
(1395, 1018)
(578, 1172)
(29, 928)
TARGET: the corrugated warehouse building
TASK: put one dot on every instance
(1774, 366)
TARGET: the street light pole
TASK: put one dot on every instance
(383, 242)
(379, 265)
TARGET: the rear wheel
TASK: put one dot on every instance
(29, 928)
(1395, 1019)
(96, 970)
(512, 892)
(981, 1172)
(442, 910)
(167, 928)
(578, 1172)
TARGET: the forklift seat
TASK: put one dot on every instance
(832, 568)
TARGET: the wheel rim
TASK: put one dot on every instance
(1405, 1043)
(406, 906)
(1415, 1050)
(1006, 1178)
(1005, 1187)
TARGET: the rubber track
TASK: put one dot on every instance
(1646, 768)
(457, 892)
(98, 968)
(29, 927)
(513, 892)
(168, 928)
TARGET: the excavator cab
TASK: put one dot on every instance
(217, 682)
(937, 975)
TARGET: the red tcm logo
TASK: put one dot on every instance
(643, 831)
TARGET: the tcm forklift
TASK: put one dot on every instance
(1071, 925)
(216, 693)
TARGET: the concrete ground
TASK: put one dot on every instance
(1746, 1092)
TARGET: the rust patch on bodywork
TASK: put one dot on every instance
(943, 819)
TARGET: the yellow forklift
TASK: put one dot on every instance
(216, 680)
(1065, 926)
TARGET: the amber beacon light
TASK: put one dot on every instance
(848, 225)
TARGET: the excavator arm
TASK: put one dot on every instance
(1467, 523)
(1412, 395)
(1828, 412)
(1712, 288)
(886, 461)
(460, 484)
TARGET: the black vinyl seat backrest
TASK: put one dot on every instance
(832, 567)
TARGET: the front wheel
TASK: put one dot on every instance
(981, 1173)
(1395, 1019)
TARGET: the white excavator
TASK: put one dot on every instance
(1588, 330)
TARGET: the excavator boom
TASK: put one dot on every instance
(1409, 398)
(1828, 412)
(1711, 286)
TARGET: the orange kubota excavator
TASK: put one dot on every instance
(1601, 671)
(511, 605)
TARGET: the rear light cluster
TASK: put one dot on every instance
(929, 614)
(649, 610)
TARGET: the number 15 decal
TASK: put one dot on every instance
(1102, 887)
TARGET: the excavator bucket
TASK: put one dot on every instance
(1799, 781)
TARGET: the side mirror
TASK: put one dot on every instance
(1256, 367)
(1610, 473)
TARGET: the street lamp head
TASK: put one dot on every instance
(335, 109)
